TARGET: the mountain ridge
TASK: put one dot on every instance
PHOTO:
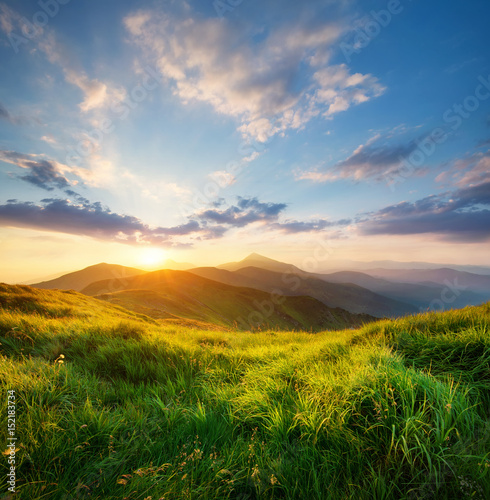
(78, 280)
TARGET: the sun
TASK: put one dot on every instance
(151, 257)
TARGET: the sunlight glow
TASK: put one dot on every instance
(152, 256)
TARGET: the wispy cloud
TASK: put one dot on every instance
(96, 94)
(42, 173)
(263, 84)
(379, 159)
(4, 114)
(294, 226)
(469, 171)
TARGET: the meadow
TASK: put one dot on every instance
(112, 404)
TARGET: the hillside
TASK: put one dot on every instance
(78, 280)
(112, 404)
(167, 294)
(350, 297)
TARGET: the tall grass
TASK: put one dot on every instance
(143, 409)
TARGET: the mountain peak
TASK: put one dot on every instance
(256, 256)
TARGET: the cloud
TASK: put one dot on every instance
(88, 219)
(8, 19)
(4, 114)
(459, 215)
(339, 90)
(263, 84)
(248, 211)
(223, 178)
(79, 216)
(96, 94)
(43, 173)
(9, 117)
(293, 227)
(378, 159)
(245, 212)
(469, 171)
(49, 139)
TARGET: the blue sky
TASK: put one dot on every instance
(131, 131)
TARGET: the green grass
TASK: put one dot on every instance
(145, 409)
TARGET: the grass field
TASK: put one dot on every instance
(111, 404)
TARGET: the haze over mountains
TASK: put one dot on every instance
(262, 291)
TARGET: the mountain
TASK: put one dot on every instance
(353, 265)
(416, 294)
(41, 279)
(474, 282)
(78, 280)
(169, 294)
(256, 260)
(351, 297)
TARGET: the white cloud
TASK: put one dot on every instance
(262, 84)
(96, 94)
(223, 178)
(49, 139)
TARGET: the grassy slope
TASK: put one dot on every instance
(169, 293)
(396, 409)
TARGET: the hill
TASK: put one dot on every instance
(78, 280)
(350, 297)
(167, 293)
(112, 404)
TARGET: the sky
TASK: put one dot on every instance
(136, 131)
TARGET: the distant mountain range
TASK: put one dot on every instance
(419, 288)
(347, 296)
(420, 294)
(439, 276)
(170, 294)
(263, 291)
(355, 265)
